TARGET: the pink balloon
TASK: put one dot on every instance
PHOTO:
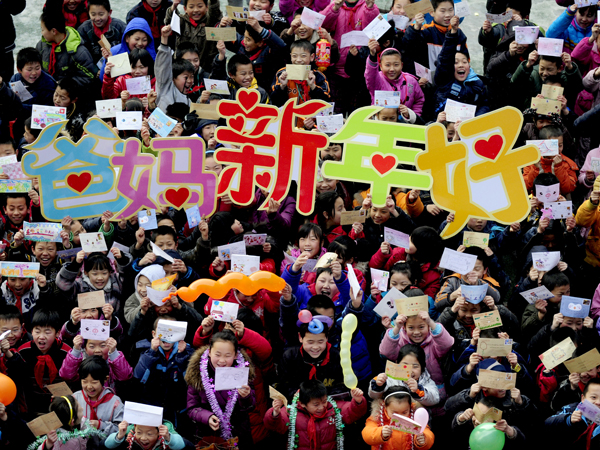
(422, 418)
(304, 316)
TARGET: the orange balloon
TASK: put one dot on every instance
(234, 280)
(8, 390)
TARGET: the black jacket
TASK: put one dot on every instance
(9, 8)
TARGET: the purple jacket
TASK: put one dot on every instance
(289, 7)
(278, 224)
(120, 370)
(411, 94)
(436, 346)
(343, 21)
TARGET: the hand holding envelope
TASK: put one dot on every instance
(121, 65)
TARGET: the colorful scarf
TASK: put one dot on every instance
(43, 362)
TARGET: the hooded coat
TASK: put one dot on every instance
(132, 306)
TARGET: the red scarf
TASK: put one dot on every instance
(72, 19)
(312, 430)
(94, 405)
(100, 31)
(154, 24)
(52, 59)
(352, 10)
(43, 362)
(17, 296)
(313, 368)
(193, 22)
(586, 436)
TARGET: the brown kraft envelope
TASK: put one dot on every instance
(493, 379)
(44, 424)
(89, 300)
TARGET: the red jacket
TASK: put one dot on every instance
(325, 426)
(112, 88)
(430, 283)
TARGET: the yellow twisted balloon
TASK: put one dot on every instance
(349, 324)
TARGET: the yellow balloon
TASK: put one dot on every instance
(349, 324)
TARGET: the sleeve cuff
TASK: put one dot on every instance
(437, 330)
(392, 335)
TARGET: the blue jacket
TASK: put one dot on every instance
(136, 24)
(565, 433)
(42, 90)
(471, 91)
(566, 27)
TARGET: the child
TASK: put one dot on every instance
(391, 78)
(174, 79)
(119, 368)
(329, 208)
(38, 361)
(142, 281)
(315, 87)
(75, 12)
(573, 25)
(198, 15)
(310, 245)
(152, 13)
(422, 388)
(318, 421)
(240, 73)
(289, 8)
(560, 165)
(18, 208)
(224, 412)
(12, 319)
(39, 84)
(100, 404)
(189, 52)
(273, 20)
(430, 336)
(72, 327)
(143, 437)
(101, 23)
(314, 359)
(66, 95)
(378, 432)
(160, 372)
(98, 275)
(454, 77)
(62, 51)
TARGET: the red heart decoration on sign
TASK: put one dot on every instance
(383, 164)
(490, 148)
(237, 123)
(247, 99)
(263, 179)
(79, 183)
(177, 197)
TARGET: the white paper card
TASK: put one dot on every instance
(159, 252)
(387, 99)
(108, 108)
(377, 27)
(93, 242)
(171, 330)
(141, 414)
(330, 124)
(236, 248)
(380, 278)
(499, 18)
(258, 15)
(595, 163)
(545, 261)
(42, 116)
(400, 22)
(139, 85)
(98, 330)
(547, 194)
(561, 210)
(539, 293)
(526, 35)
(224, 311)
(129, 120)
(121, 64)
(311, 18)
(423, 72)
(216, 86)
(547, 147)
(459, 111)
(156, 296)
(176, 23)
(457, 262)
(396, 238)
(356, 37)
(387, 305)
(246, 264)
(550, 47)
(354, 284)
(227, 378)
(19, 88)
(462, 9)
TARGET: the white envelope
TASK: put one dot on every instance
(122, 64)
(98, 330)
(246, 264)
(108, 108)
(156, 296)
(227, 378)
(139, 85)
(171, 330)
(353, 280)
(457, 262)
(158, 252)
(129, 120)
(141, 414)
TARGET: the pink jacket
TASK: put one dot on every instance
(586, 55)
(120, 370)
(411, 94)
(435, 346)
(325, 427)
(343, 21)
(289, 7)
(589, 184)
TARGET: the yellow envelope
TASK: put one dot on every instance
(473, 239)
(411, 306)
(351, 217)
(493, 379)
(220, 34)
(44, 424)
(558, 354)
(59, 389)
(326, 260)
(585, 362)
(545, 107)
(122, 65)
(276, 395)
(494, 347)
(297, 72)
(493, 414)
(205, 111)
(552, 92)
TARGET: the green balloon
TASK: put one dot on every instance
(486, 437)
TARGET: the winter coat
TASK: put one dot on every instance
(436, 345)
(199, 409)
(577, 436)
(133, 25)
(72, 59)
(587, 166)
(129, 442)
(566, 172)
(592, 84)
(432, 278)
(454, 281)
(565, 27)
(289, 7)
(119, 368)
(277, 224)
(112, 88)
(29, 302)
(326, 433)
(142, 325)
(8, 35)
(586, 55)
(110, 413)
(530, 322)
(411, 94)
(42, 90)
(220, 73)
(207, 50)
(471, 91)
(399, 440)
(346, 19)
(430, 397)
(588, 215)
(155, 20)
(90, 40)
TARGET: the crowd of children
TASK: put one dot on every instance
(290, 341)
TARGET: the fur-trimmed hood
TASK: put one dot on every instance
(192, 375)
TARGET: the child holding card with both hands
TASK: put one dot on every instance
(144, 437)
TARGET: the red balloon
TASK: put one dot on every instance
(304, 316)
(8, 390)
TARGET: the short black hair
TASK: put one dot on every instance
(255, 35)
(10, 312)
(437, 3)
(250, 320)
(551, 131)
(144, 56)
(326, 204)
(235, 61)
(53, 20)
(592, 382)
(545, 179)
(304, 329)
(319, 301)
(299, 12)
(584, 10)
(8, 195)
(345, 247)
(96, 366)
(556, 78)
(182, 66)
(311, 389)
(302, 44)
(6, 139)
(184, 2)
(225, 336)
(554, 279)
(414, 350)
(28, 55)
(428, 243)
(523, 6)
(562, 333)
(176, 111)
(552, 59)
(105, 3)
(163, 230)
(46, 318)
(134, 104)
(480, 254)
(186, 47)
(97, 261)
(70, 85)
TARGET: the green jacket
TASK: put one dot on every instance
(72, 59)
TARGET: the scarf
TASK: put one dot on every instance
(352, 10)
(312, 430)
(313, 368)
(193, 22)
(18, 302)
(93, 405)
(100, 31)
(52, 59)
(73, 19)
(154, 23)
(43, 362)
(586, 436)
